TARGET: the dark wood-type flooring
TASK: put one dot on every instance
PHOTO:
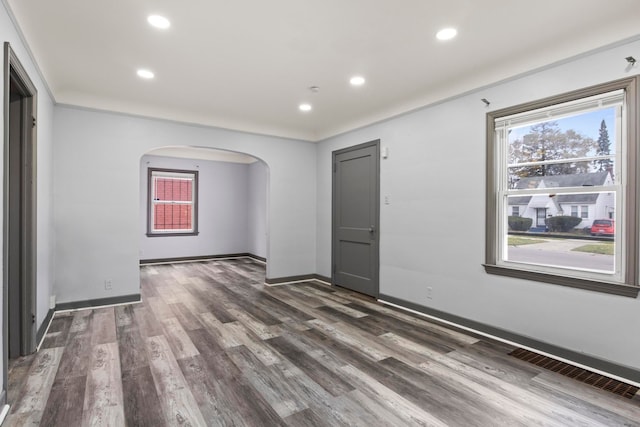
(212, 345)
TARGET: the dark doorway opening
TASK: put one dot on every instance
(541, 217)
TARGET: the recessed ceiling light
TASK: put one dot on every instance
(145, 74)
(446, 34)
(357, 81)
(159, 21)
(305, 107)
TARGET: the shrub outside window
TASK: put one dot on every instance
(561, 160)
(172, 204)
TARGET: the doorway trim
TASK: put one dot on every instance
(15, 72)
(541, 217)
(376, 229)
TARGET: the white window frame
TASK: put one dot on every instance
(574, 211)
(624, 280)
(151, 202)
(584, 211)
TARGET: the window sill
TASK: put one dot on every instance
(573, 282)
(171, 234)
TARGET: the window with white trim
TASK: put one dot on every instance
(579, 147)
(172, 203)
(584, 212)
(515, 210)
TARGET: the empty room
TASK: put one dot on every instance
(294, 213)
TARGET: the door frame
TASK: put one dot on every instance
(15, 72)
(543, 217)
(376, 270)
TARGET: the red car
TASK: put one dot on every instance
(603, 227)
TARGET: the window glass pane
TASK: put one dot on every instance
(556, 238)
(172, 216)
(584, 212)
(539, 149)
(173, 189)
(518, 181)
(172, 202)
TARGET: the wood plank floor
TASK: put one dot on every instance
(212, 346)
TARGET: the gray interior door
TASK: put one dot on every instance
(20, 221)
(356, 203)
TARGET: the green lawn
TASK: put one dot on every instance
(596, 248)
(519, 241)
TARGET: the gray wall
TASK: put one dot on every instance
(257, 232)
(97, 197)
(436, 166)
(222, 210)
(45, 236)
(231, 210)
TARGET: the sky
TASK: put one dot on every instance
(587, 124)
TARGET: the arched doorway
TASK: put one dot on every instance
(231, 205)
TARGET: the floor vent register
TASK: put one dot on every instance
(579, 374)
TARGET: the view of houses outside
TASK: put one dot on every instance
(586, 206)
(574, 152)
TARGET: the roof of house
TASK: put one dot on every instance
(583, 198)
(557, 181)
(520, 200)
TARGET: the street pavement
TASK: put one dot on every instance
(558, 252)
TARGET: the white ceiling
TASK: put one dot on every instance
(247, 64)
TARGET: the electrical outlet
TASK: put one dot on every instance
(108, 284)
(429, 292)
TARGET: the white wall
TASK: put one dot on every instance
(436, 164)
(223, 206)
(257, 233)
(97, 193)
(44, 179)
